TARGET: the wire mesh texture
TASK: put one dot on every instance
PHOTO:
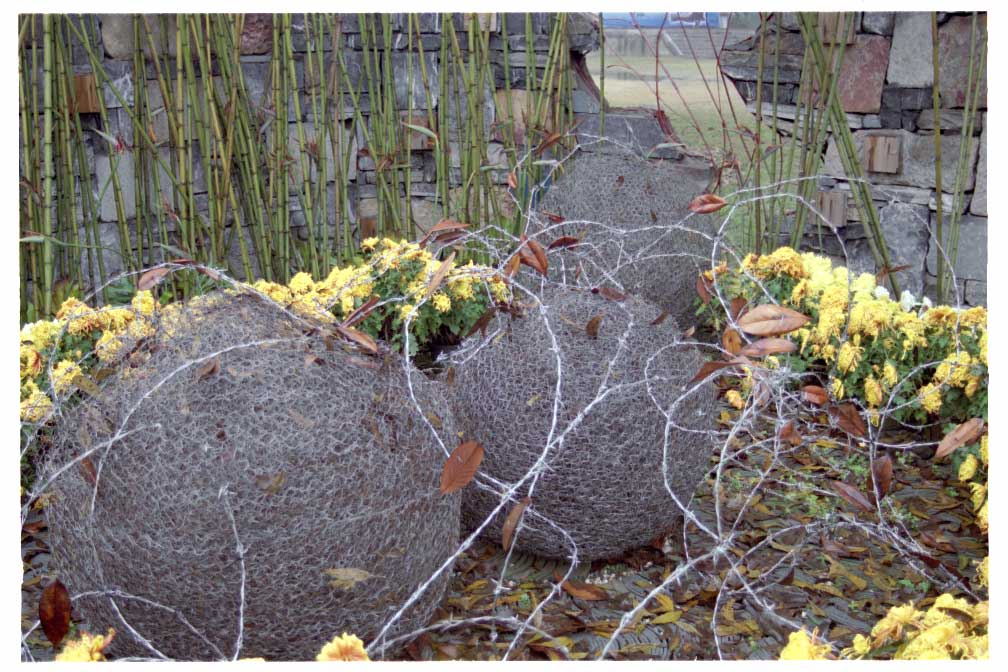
(244, 485)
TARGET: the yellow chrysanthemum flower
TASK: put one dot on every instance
(405, 310)
(968, 468)
(87, 649)
(108, 347)
(345, 647)
(301, 283)
(974, 317)
(801, 646)
(983, 449)
(889, 375)
(930, 398)
(837, 388)
(849, 357)
(978, 495)
(41, 334)
(735, 399)
(441, 302)
(37, 406)
(31, 361)
(369, 244)
(144, 303)
(64, 374)
(983, 569)
(873, 392)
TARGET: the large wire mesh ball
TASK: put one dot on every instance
(634, 228)
(253, 481)
(605, 453)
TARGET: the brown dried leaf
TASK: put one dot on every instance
(731, 341)
(54, 612)
(738, 304)
(609, 293)
(548, 142)
(209, 272)
(814, 395)
(880, 480)
(271, 484)
(553, 217)
(450, 375)
(88, 469)
(771, 320)
(585, 591)
(527, 257)
(209, 368)
(849, 420)
(539, 253)
(790, 434)
(703, 287)
(365, 342)
(482, 322)
(361, 312)
(443, 225)
(152, 278)
(511, 267)
(563, 241)
(312, 358)
(512, 180)
(661, 318)
(710, 367)
(707, 203)
(852, 495)
(593, 325)
(345, 578)
(439, 275)
(769, 346)
(460, 467)
(511, 522)
(963, 435)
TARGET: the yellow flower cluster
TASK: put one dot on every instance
(782, 261)
(86, 649)
(804, 646)
(343, 648)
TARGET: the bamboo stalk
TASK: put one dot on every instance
(47, 162)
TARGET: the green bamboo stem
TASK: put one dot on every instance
(47, 161)
(936, 102)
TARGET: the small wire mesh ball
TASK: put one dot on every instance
(236, 409)
(634, 228)
(629, 430)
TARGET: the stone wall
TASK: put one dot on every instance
(115, 48)
(885, 85)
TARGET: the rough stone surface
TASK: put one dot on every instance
(862, 74)
(257, 34)
(954, 55)
(905, 230)
(971, 260)
(294, 151)
(978, 206)
(911, 43)
(118, 35)
(605, 482)
(976, 293)
(121, 82)
(917, 159)
(415, 97)
(259, 442)
(878, 23)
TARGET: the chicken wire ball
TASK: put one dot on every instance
(634, 228)
(313, 460)
(628, 420)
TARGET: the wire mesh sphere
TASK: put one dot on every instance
(251, 476)
(634, 228)
(601, 461)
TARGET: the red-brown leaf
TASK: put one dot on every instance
(482, 322)
(553, 217)
(152, 278)
(852, 495)
(530, 258)
(511, 522)
(768, 346)
(593, 326)
(564, 241)
(364, 341)
(460, 467)
(661, 318)
(731, 341)
(964, 434)
(771, 320)
(539, 253)
(54, 612)
(707, 203)
(443, 225)
(209, 368)
(849, 420)
(88, 469)
(709, 368)
(703, 287)
(737, 305)
(882, 471)
(609, 293)
(790, 434)
(548, 142)
(361, 312)
(512, 180)
(439, 275)
(585, 591)
(511, 267)
(814, 395)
